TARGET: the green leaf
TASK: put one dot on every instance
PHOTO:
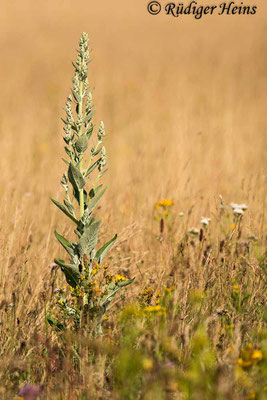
(68, 152)
(75, 177)
(71, 272)
(98, 188)
(56, 324)
(63, 209)
(101, 253)
(88, 117)
(74, 127)
(82, 144)
(125, 283)
(76, 96)
(65, 243)
(88, 239)
(103, 173)
(65, 161)
(89, 131)
(93, 166)
(107, 299)
(95, 153)
(95, 200)
(69, 206)
(92, 193)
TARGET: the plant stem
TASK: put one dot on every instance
(80, 110)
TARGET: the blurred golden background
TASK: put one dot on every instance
(184, 104)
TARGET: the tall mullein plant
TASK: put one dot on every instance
(82, 192)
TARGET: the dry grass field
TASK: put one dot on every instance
(184, 104)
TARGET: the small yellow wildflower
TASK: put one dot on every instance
(119, 278)
(249, 356)
(236, 289)
(164, 203)
(82, 277)
(251, 396)
(77, 291)
(165, 213)
(97, 289)
(147, 364)
(244, 363)
(158, 309)
(169, 289)
(60, 302)
(232, 226)
(94, 271)
(256, 355)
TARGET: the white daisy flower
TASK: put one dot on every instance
(205, 221)
(240, 206)
(238, 211)
(193, 231)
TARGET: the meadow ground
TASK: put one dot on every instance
(184, 105)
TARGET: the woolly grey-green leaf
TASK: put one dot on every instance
(102, 252)
(95, 200)
(63, 209)
(71, 272)
(75, 177)
(82, 144)
(88, 239)
(88, 117)
(67, 151)
(93, 166)
(93, 191)
(65, 243)
(125, 283)
(69, 206)
(89, 132)
(76, 96)
(65, 161)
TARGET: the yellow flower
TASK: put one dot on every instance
(169, 289)
(94, 271)
(164, 203)
(165, 213)
(60, 302)
(232, 226)
(251, 396)
(249, 356)
(147, 364)
(244, 363)
(256, 355)
(119, 278)
(155, 309)
(236, 289)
